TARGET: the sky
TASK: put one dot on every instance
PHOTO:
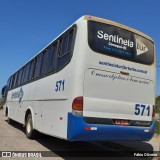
(27, 26)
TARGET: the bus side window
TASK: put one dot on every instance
(8, 82)
(54, 54)
(43, 65)
(31, 71)
(15, 79)
(38, 62)
(65, 50)
(23, 74)
(16, 83)
(49, 55)
(12, 81)
(26, 72)
(64, 46)
(20, 77)
(70, 41)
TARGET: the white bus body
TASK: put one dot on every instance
(115, 93)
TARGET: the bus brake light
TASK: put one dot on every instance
(78, 104)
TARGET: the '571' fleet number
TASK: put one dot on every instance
(60, 85)
(141, 109)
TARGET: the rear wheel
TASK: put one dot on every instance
(10, 121)
(30, 132)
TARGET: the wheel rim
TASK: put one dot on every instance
(28, 127)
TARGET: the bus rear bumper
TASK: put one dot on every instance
(79, 130)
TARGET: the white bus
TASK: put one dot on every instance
(95, 81)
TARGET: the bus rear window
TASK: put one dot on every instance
(117, 42)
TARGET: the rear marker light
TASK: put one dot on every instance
(87, 128)
(90, 128)
(94, 128)
(148, 130)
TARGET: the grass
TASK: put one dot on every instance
(157, 127)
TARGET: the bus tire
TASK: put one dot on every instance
(10, 121)
(30, 132)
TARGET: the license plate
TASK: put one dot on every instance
(121, 122)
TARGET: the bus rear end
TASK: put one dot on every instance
(118, 85)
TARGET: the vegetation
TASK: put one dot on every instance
(157, 122)
(1, 105)
(157, 127)
(158, 104)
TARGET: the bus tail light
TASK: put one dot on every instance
(154, 111)
(77, 106)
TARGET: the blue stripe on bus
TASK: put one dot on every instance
(79, 130)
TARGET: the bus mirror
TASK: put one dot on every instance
(4, 93)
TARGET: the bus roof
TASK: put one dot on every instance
(102, 20)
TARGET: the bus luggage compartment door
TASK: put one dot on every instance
(114, 96)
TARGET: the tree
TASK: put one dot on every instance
(158, 104)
